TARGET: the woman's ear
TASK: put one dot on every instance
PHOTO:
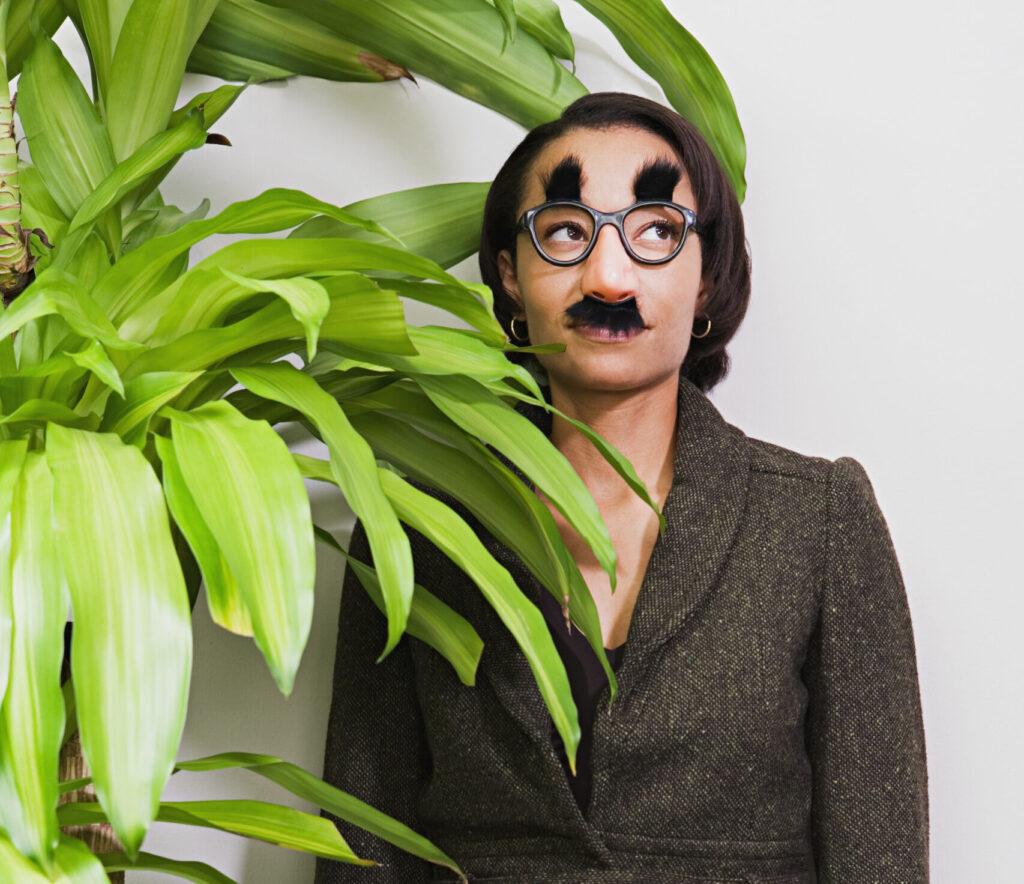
(507, 271)
(703, 296)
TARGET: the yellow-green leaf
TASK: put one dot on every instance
(430, 619)
(143, 396)
(223, 597)
(74, 864)
(441, 525)
(32, 714)
(344, 806)
(250, 494)
(459, 44)
(248, 29)
(692, 82)
(12, 456)
(131, 656)
(476, 409)
(307, 298)
(68, 141)
(199, 873)
(275, 823)
(355, 472)
(438, 221)
(148, 62)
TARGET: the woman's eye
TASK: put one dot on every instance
(660, 230)
(565, 232)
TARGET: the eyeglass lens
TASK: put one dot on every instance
(652, 232)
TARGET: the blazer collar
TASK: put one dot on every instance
(702, 512)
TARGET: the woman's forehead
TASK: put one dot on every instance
(620, 158)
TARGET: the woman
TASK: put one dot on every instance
(768, 725)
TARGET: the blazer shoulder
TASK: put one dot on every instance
(773, 459)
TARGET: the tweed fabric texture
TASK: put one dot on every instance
(768, 726)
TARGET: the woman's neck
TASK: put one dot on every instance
(640, 424)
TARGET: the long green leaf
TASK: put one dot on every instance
(287, 40)
(360, 312)
(42, 411)
(154, 153)
(74, 864)
(441, 525)
(143, 396)
(467, 307)
(433, 622)
(227, 608)
(213, 105)
(132, 651)
(149, 223)
(149, 61)
(200, 873)
(543, 20)
(483, 414)
(251, 497)
(95, 359)
(38, 207)
(32, 715)
(102, 21)
(608, 451)
(355, 472)
(228, 66)
(444, 351)
(430, 619)
(200, 298)
(19, 30)
(133, 278)
(344, 806)
(307, 298)
(505, 507)
(68, 141)
(280, 825)
(459, 44)
(439, 221)
(684, 70)
(12, 456)
(57, 292)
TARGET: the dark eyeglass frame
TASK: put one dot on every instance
(616, 219)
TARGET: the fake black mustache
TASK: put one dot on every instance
(617, 316)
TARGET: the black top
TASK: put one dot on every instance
(586, 679)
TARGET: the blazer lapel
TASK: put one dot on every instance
(702, 512)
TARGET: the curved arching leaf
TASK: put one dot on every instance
(131, 656)
(32, 714)
(249, 492)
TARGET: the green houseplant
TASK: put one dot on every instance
(137, 394)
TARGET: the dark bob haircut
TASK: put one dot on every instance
(724, 255)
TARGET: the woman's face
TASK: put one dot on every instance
(616, 167)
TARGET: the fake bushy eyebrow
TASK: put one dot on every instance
(657, 180)
(564, 181)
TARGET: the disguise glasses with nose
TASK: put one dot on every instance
(564, 231)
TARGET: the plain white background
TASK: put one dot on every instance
(883, 218)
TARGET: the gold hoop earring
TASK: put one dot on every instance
(518, 338)
(706, 331)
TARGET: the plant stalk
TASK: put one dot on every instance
(16, 260)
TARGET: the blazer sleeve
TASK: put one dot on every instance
(376, 746)
(864, 730)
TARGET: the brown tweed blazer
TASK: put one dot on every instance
(768, 726)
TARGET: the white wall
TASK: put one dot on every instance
(883, 216)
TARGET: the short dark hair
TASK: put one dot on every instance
(724, 253)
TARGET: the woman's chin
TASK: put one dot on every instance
(604, 376)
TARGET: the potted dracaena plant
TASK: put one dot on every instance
(137, 394)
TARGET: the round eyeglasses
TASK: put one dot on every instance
(564, 231)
